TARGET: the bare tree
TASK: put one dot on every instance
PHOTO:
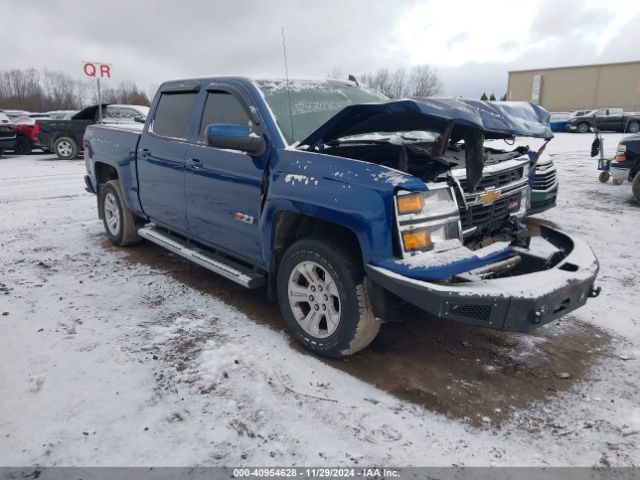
(21, 89)
(424, 81)
(127, 93)
(59, 89)
(420, 81)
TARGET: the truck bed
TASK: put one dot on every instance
(116, 144)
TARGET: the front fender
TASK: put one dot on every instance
(353, 194)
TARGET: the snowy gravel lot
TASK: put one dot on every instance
(132, 357)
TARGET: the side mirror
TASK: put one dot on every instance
(139, 119)
(234, 137)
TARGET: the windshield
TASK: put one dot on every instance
(313, 102)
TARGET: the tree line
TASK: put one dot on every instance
(418, 81)
(40, 91)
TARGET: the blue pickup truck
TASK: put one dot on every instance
(341, 204)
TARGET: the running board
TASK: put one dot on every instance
(213, 261)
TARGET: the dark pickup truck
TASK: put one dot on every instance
(64, 136)
(626, 164)
(342, 204)
(605, 119)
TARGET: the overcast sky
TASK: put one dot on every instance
(471, 44)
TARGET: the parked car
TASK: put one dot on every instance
(626, 164)
(605, 119)
(544, 191)
(64, 136)
(338, 201)
(7, 134)
(558, 121)
(26, 129)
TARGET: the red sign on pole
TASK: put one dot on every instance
(97, 70)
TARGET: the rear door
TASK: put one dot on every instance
(224, 186)
(161, 160)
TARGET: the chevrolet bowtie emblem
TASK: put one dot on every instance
(489, 197)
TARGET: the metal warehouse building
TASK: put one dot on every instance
(580, 87)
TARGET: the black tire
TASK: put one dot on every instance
(583, 127)
(618, 181)
(633, 127)
(636, 187)
(23, 146)
(65, 148)
(604, 177)
(119, 222)
(357, 326)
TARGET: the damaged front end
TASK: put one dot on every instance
(463, 250)
(507, 288)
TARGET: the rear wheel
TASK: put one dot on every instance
(119, 221)
(23, 146)
(65, 148)
(604, 177)
(323, 300)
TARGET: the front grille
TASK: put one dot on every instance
(495, 180)
(491, 216)
(476, 312)
(544, 180)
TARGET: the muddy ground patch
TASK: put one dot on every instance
(465, 372)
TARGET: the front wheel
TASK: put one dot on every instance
(604, 177)
(636, 187)
(583, 127)
(65, 148)
(323, 300)
(119, 221)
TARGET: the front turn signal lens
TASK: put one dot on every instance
(412, 203)
(416, 240)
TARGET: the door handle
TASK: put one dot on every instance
(145, 152)
(194, 163)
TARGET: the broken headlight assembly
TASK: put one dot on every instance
(425, 218)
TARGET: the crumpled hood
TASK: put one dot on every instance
(495, 119)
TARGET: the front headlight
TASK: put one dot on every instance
(427, 217)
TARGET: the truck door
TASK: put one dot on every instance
(161, 161)
(224, 186)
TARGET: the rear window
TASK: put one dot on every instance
(4, 118)
(222, 107)
(173, 114)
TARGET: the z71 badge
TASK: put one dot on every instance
(241, 217)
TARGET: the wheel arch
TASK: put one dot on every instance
(103, 173)
(289, 227)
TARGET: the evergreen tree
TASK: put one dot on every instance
(484, 96)
(492, 97)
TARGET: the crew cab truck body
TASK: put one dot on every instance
(340, 202)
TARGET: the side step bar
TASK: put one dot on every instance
(213, 261)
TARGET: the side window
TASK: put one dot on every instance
(173, 114)
(221, 107)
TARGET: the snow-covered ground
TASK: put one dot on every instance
(132, 357)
